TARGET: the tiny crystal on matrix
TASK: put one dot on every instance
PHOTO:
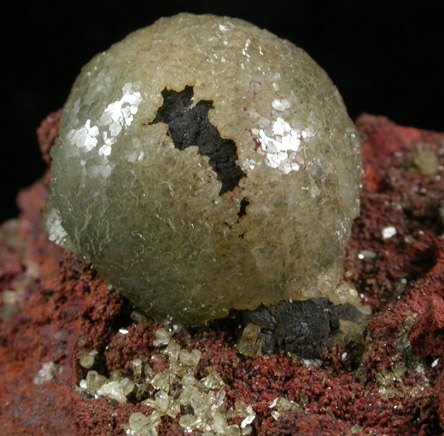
(203, 165)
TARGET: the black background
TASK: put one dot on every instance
(385, 57)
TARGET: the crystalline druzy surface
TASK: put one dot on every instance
(203, 165)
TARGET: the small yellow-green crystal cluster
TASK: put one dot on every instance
(197, 403)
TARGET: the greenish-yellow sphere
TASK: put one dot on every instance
(204, 164)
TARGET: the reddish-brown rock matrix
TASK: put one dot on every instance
(54, 309)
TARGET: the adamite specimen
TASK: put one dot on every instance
(204, 164)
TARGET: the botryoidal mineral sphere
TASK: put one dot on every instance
(204, 164)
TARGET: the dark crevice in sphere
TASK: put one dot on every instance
(188, 125)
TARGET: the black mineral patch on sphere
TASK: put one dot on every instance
(203, 165)
(188, 126)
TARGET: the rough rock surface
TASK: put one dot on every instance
(54, 309)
